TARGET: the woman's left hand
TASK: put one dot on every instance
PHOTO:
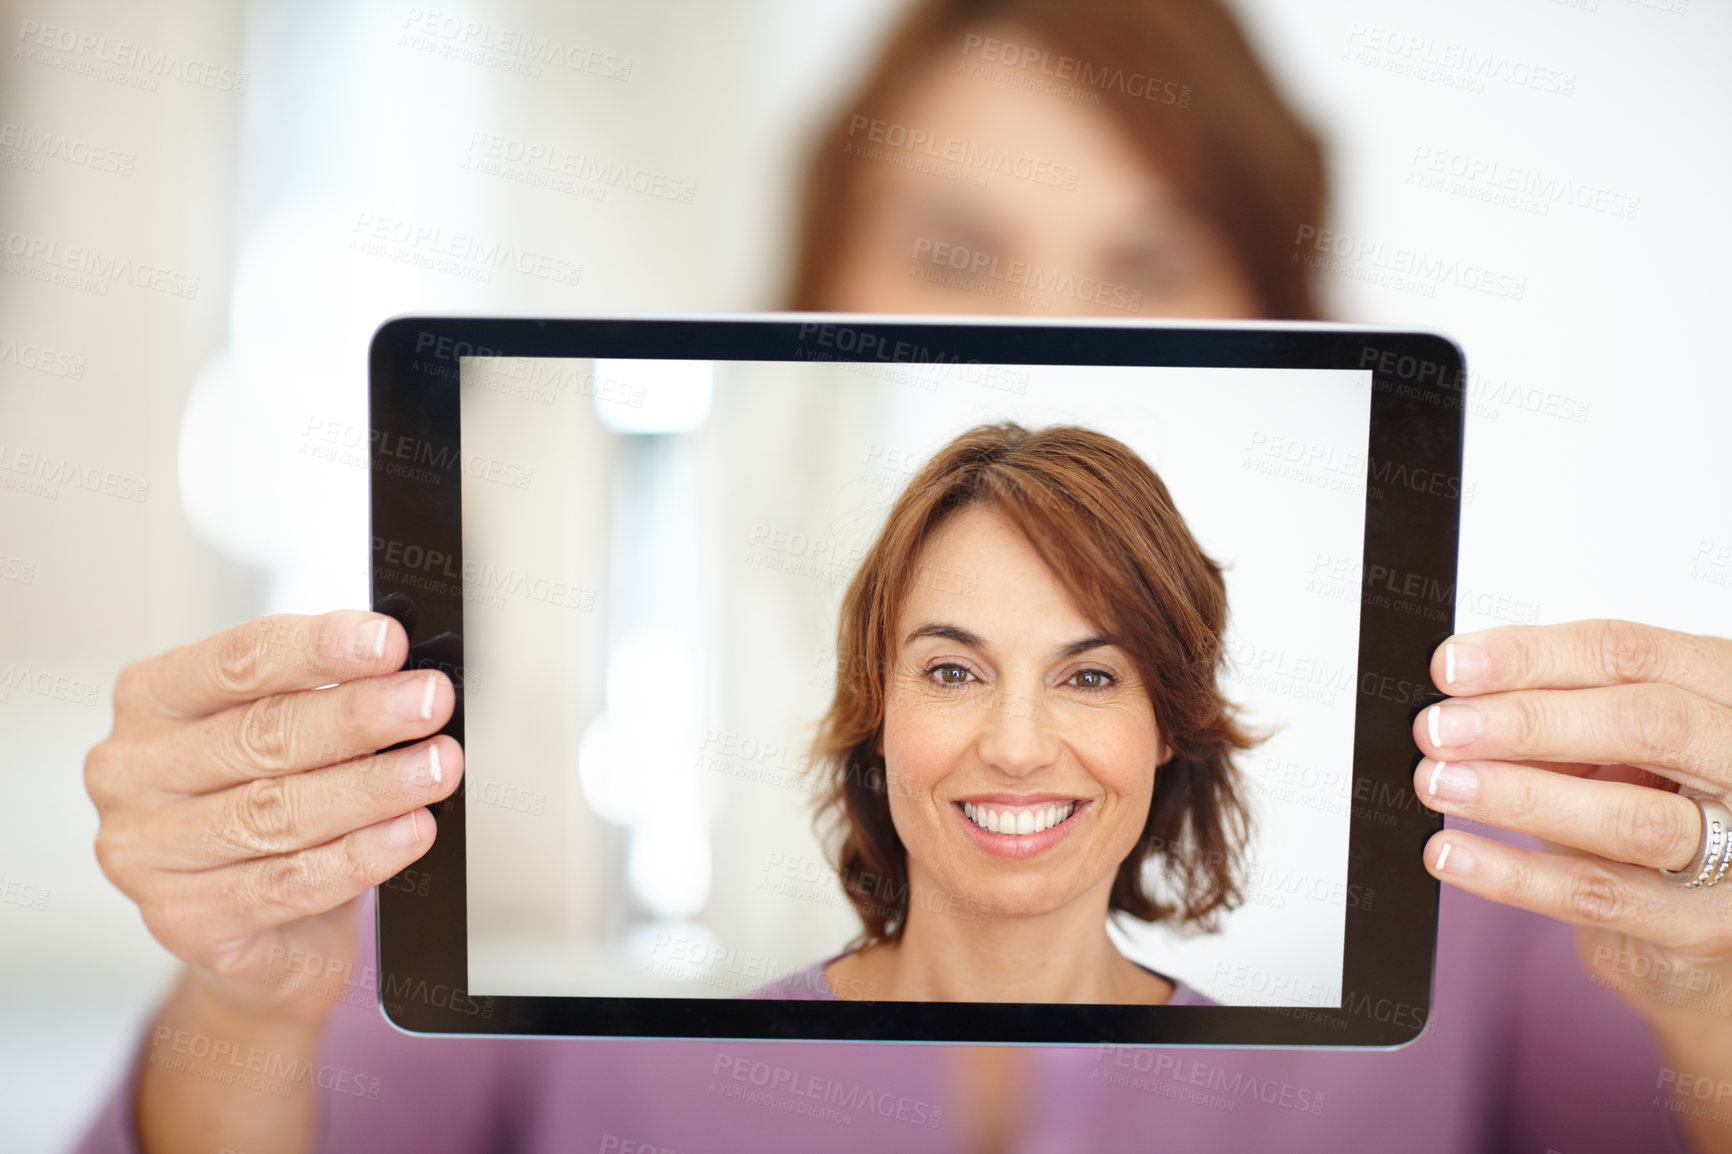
(1580, 735)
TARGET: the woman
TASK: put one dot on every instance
(1125, 143)
(993, 742)
(238, 812)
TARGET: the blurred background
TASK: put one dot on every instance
(206, 208)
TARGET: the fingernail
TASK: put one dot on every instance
(1452, 781)
(422, 767)
(379, 639)
(402, 832)
(1453, 858)
(363, 643)
(1452, 724)
(1462, 662)
(413, 699)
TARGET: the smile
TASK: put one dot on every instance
(1019, 829)
(1018, 819)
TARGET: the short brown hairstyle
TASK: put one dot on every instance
(1101, 518)
(1233, 150)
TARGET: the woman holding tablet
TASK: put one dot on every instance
(243, 812)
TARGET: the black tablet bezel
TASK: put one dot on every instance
(1412, 518)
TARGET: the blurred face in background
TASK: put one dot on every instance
(1076, 222)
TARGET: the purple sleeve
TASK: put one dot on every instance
(378, 1088)
(1583, 1060)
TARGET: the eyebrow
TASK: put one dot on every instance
(963, 637)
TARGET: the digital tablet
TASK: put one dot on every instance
(836, 677)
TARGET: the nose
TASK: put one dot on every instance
(1016, 736)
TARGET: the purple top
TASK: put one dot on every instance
(810, 985)
(1523, 1052)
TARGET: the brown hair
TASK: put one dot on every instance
(1103, 521)
(1232, 149)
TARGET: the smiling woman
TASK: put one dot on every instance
(1027, 716)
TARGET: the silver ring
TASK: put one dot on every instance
(1714, 854)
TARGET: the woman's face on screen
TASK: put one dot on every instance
(985, 197)
(1020, 746)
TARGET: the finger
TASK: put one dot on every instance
(1580, 769)
(1583, 890)
(1659, 727)
(1628, 774)
(1582, 654)
(266, 655)
(278, 815)
(1626, 823)
(289, 732)
(199, 915)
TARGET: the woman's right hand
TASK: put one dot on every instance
(243, 808)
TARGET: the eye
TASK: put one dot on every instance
(949, 673)
(1091, 679)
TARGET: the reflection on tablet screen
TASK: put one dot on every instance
(909, 682)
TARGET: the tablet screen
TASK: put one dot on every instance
(657, 559)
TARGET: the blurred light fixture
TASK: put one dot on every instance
(641, 750)
(604, 769)
(652, 396)
(668, 860)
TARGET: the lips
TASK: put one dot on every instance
(1019, 827)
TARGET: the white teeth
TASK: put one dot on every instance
(1018, 821)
